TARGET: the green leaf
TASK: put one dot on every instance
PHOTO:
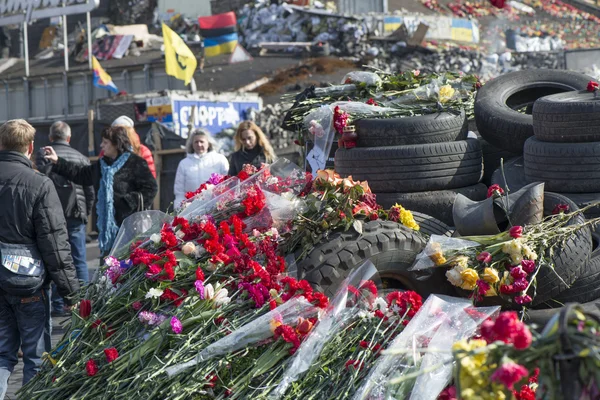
(183, 260)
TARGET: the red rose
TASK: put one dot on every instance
(91, 368)
(111, 354)
(561, 208)
(592, 86)
(484, 257)
(516, 232)
(85, 308)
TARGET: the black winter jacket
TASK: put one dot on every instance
(237, 160)
(30, 212)
(77, 200)
(133, 178)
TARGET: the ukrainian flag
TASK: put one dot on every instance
(102, 80)
(462, 30)
(220, 33)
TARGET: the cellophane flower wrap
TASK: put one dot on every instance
(337, 315)
(253, 332)
(404, 355)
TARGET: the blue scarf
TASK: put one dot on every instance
(107, 226)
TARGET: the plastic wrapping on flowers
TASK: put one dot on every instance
(434, 328)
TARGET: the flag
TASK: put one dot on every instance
(180, 60)
(220, 33)
(102, 80)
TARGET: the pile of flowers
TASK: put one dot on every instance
(506, 264)
(174, 291)
(379, 95)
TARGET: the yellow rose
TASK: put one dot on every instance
(461, 261)
(470, 278)
(490, 275)
(491, 292)
(446, 93)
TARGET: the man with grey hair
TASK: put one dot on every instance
(76, 201)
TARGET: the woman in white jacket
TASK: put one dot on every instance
(200, 163)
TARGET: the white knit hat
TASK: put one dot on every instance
(123, 120)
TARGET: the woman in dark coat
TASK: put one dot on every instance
(251, 147)
(122, 180)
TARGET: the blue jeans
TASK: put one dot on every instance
(77, 240)
(22, 324)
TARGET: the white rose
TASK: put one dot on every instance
(454, 277)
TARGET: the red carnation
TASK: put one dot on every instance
(495, 190)
(560, 208)
(509, 374)
(91, 368)
(111, 354)
(592, 86)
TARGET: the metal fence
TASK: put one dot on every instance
(71, 95)
(362, 6)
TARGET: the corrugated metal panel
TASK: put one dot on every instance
(361, 6)
(47, 97)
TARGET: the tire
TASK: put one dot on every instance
(432, 226)
(390, 246)
(438, 203)
(498, 101)
(491, 159)
(564, 167)
(541, 317)
(421, 129)
(586, 287)
(567, 117)
(414, 168)
(514, 174)
(569, 259)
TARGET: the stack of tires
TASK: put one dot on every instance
(503, 109)
(420, 162)
(547, 117)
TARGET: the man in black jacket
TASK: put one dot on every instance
(77, 202)
(30, 214)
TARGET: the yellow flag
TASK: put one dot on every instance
(180, 61)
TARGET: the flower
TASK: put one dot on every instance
(454, 277)
(484, 257)
(356, 364)
(304, 326)
(495, 190)
(509, 374)
(200, 288)
(176, 326)
(437, 255)
(522, 338)
(340, 119)
(490, 275)
(528, 266)
(85, 309)
(561, 208)
(518, 272)
(448, 394)
(111, 354)
(446, 93)
(154, 293)
(406, 218)
(470, 278)
(523, 299)
(155, 237)
(372, 102)
(516, 232)
(91, 368)
(592, 86)
(188, 248)
(136, 305)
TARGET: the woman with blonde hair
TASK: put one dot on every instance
(251, 147)
(200, 162)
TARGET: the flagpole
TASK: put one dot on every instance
(66, 42)
(89, 39)
(26, 48)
